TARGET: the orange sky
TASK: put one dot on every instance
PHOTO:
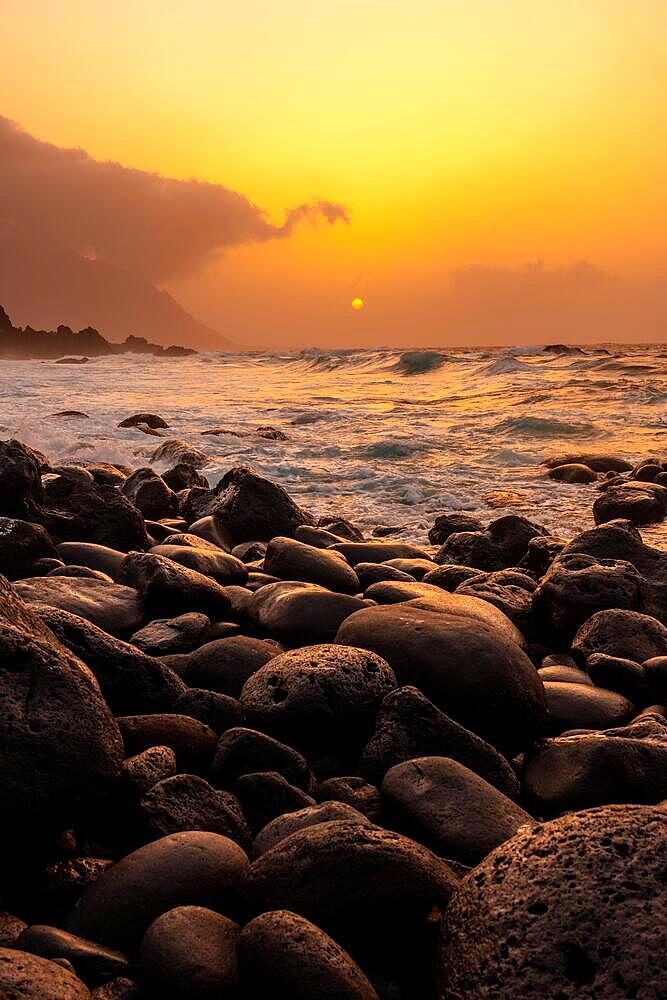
(456, 132)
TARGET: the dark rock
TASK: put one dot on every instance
(628, 634)
(283, 955)
(541, 552)
(60, 744)
(88, 512)
(221, 566)
(342, 527)
(150, 419)
(572, 472)
(197, 868)
(289, 559)
(107, 475)
(577, 706)
(623, 676)
(353, 791)
(192, 741)
(210, 528)
(113, 608)
(189, 953)
(641, 503)
(311, 613)
(42, 567)
(82, 572)
(512, 599)
(319, 537)
(120, 988)
(183, 476)
(370, 573)
(596, 462)
(98, 557)
(591, 769)
(378, 552)
(450, 577)
(180, 452)
(21, 545)
(416, 568)
(460, 663)
(449, 524)
(130, 681)
(655, 670)
(450, 808)
(357, 881)
(11, 926)
(92, 962)
(29, 977)
(146, 769)
(224, 665)
(21, 491)
(61, 883)
(150, 494)
(503, 543)
(646, 472)
(271, 434)
(249, 507)
(319, 695)
(170, 589)
(265, 795)
(409, 726)
(187, 802)
(172, 635)
(218, 711)
(284, 826)
(248, 552)
(570, 909)
(244, 751)
(565, 673)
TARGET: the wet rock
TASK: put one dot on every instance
(378, 552)
(221, 566)
(271, 434)
(189, 953)
(88, 512)
(183, 476)
(150, 494)
(172, 635)
(267, 794)
(568, 909)
(503, 543)
(113, 608)
(357, 881)
(594, 461)
(342, 527)
(628, 634)
(21, 491)
(99, 557)
(146, 769)
(513, 599)
(211, 529)
(449, 524)
(218, 711)
(578, 706)
(572, 472)
(249, 507)
(187, 802)
(409, 726)
(106, 474)
(284, 826)
(450, 808)
(244, 751)
(289, 559)
(450, 577)
(318, 537)
(29, 977)
(326, 695)
(92, 962)
(641, 503)
(60, 744)
(21, 545)
(180, 452)
(130, 681)
(151, 420)
(224, 665)
(370, 573)
(192, 741)
(460, 663)
(590, 769)
(623, 676)
(168, 588)
(304, 610)
(283, 955)
(565, 673)
(192, 868)
(353, 791)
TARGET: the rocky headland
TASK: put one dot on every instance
(23, 343)
(248, 753)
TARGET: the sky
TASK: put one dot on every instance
(479, 161)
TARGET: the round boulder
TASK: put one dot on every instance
(189, 953)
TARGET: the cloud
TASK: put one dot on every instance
(162, 228)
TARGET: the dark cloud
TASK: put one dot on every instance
(160, 227)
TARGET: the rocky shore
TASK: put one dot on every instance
(245, 753)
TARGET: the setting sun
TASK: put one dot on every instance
(357, 304)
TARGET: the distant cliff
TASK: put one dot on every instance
(44, 287)
(22, 343)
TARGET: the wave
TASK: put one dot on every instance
(544, 427)
(420, 362)
(388, 448)
(506, 365)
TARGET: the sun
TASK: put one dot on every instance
(357, 304)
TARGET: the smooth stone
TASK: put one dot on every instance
(572, 472)
(115, 609)
(596, 462)
(378, 552)
(416, 568)
(183, 476)
(244, 751)
(569, 909)
(221, 566)
(130, 681)
(21, 545)
(628, 634)
(312, 613)
(192, 868)
(449, 576)
(92, 962)
(187, 802)
(318, 695)
(284, 826)
(151, 420)
(625, 677)
(210, 529)
(289, 559)
(641, 503)
(449, 524)
(450, 808)
(319, 537)
(189, 953)
(192, 741)
(170, 589)
(409, 726)
(369, 573)
(341, 526)
(224, 665)
(99, 557)
(172, 635)
(283, 955)
(564, 674)
(578, 706)
(218, 711)
(79, 571)
(29, 977)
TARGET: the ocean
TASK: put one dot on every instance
(380, 436)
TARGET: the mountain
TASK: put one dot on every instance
(45, 288)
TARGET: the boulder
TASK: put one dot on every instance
(189, 953)
(163, 636)
(151, 420)
(89, 512)
(21, 545)
(570, 909)
(98, 557)
(192, 741)
(29, 977)
(305, 610)
(244, 751)
(219, 712)
(21, 491)
(641, 503)
(183, 476)
(221, 566)
(192, 868)
(180, 452)
(187, 802)
(449, 524)
(378, 552)
(94, 963)
(626, 677)
(621, 633)
(146, 769)
(284, 955)
(503, 543)
(572, 472)
(596, 462)
(264, 795)
(284, 826)
(224, 665)
(289, 559)
(579, 706)
(114, 608)
(150, 494)
(353, 791)
(168, 588)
